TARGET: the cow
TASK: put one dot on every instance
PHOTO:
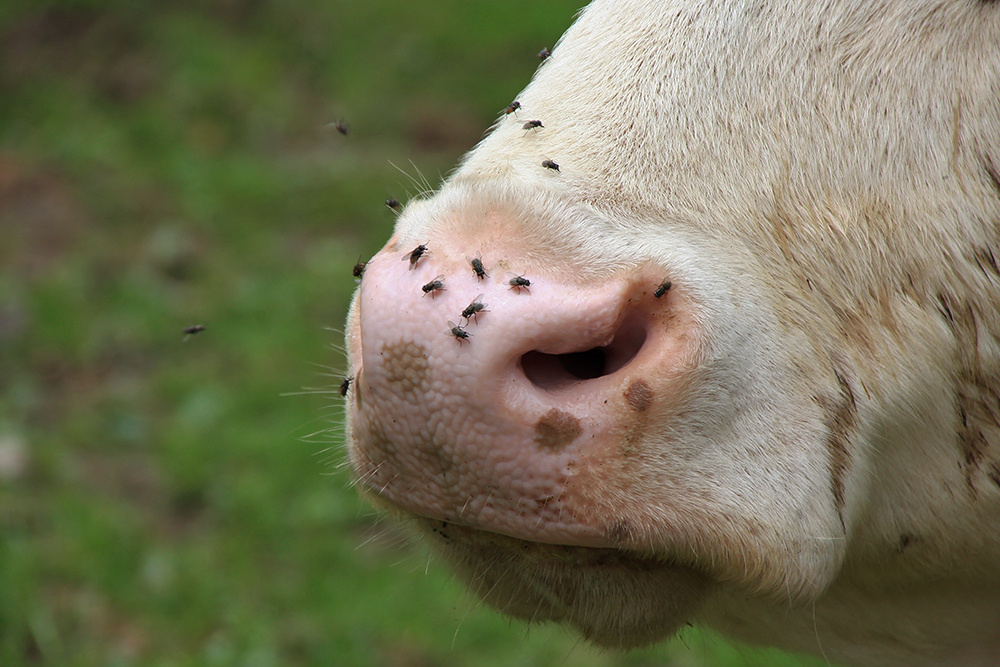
(736, 361)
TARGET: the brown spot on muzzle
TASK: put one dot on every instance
(405, 365)
(557, 429)
(639, 395)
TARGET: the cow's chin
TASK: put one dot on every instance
(614, 598)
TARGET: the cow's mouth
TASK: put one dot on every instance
(614, 598)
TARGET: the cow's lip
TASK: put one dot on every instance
(544, 552)
(599, 590)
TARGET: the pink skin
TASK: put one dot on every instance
(493, 432)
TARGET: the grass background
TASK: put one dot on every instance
(172, 501)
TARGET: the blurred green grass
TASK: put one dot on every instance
(172, 500)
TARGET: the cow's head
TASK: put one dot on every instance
(732, 348)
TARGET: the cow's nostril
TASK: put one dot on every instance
(584, 365)
(552, 371)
